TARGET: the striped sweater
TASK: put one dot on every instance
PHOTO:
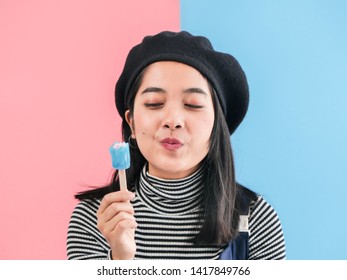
(167, 213)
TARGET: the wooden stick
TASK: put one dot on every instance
(122, 180)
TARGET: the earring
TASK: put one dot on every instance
(134, 145)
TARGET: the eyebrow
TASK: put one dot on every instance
(195, 90)
(160, 90)
(153, 89)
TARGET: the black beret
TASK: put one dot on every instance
(221, 69)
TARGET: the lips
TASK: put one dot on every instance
(171, 144)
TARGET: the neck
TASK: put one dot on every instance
(167, 175)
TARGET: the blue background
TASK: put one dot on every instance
(291, 147)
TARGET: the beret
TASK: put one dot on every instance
(221, 69)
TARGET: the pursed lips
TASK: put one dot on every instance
(171, 144)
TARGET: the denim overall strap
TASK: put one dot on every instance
(237, 249)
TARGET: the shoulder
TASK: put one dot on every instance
(87, 205)
(84, 240)
(266, 240)
(259, 208)
(85, 212)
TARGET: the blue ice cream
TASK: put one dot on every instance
(120, 155)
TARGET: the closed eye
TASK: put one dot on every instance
(194, 106)
(153, 105)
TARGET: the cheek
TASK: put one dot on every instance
(201, 134)
(141, 119)
(142, 126)
(206, 124)
(206, 132)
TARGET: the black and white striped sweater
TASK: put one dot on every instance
(167, 213)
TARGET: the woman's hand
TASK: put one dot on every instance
(117, 223)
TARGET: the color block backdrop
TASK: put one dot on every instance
(59, 61)
(292, 146)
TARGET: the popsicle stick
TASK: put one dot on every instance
(122, 180)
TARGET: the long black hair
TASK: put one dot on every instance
(224, 199)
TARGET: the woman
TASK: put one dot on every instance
(180, 100)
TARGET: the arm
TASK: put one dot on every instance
(84, 240)
(266, 241)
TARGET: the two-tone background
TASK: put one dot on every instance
(59, 61)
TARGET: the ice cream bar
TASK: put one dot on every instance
(120, 155)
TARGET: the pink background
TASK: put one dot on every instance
(59, 61)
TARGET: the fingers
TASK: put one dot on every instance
(116, 221)
(120, 196)
(116, 213)
(114, 209)
(126, 224)
(120, 222)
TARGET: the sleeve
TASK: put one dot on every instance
(84, 240)
(266, 240)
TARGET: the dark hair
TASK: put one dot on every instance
(136, 158)
(224, 199)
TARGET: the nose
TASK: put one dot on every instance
(173, 118)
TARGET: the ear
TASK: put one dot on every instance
(130, 121)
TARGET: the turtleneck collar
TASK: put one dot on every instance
(171, 196)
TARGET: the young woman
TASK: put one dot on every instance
(180, 100)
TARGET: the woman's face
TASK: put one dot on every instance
(172, 119)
